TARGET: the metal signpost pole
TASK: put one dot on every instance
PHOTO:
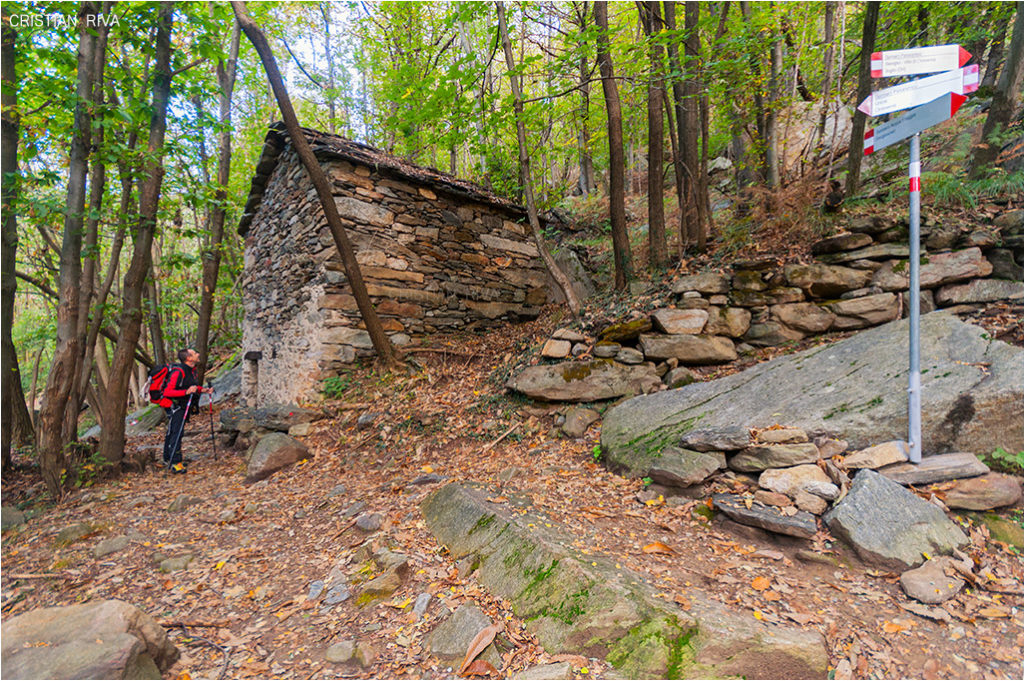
(914, 388)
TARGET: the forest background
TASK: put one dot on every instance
(131, 131)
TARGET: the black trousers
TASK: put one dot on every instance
(175, 434)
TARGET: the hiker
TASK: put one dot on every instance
(179, 400)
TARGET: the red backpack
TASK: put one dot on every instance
(157, 381)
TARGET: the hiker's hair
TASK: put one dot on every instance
(183, 355)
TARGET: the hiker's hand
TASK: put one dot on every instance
(206, 390)
(191, 389)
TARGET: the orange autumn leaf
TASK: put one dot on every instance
(993, 612)
(761, 583)
(657, 547)
(771, 595)
(893, 627)
(479, 642)
(480, 668)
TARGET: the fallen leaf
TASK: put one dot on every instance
(761, 583)
(497, 500)
(895, 627)
(479, 642)
(800, 617)
(772, 595)
(657, 547)
(768, 553)
(994, 612)
(479, 668)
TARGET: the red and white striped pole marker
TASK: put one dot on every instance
(914, 382)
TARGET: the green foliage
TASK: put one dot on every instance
(596, 453)
(1004, 461)
(334, 387)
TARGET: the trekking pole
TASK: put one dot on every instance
(181, 433)
(213, 440)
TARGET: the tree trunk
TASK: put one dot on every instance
(826, 86)
(586, 159)
(621, 251)
(995, 55)
(1003, 102)
(650, 15)
(325, 11)
(112, 438)
(524, 166)
(677, 137)
(64, 366)
(867, 46)
(211, 259)
(381, 343)
(771, 149)
(17, 423)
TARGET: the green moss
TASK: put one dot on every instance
(656, 648)
(575, 371)
(484, 522)
(569, 610)
(538, 575)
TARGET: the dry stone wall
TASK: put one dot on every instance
(431, 263)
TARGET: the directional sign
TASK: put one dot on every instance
(918, 60)
(914, 121)
(921, 91)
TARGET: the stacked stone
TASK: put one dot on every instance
(430, 262)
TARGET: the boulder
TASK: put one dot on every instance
(972, 395)
(789, 481)
(984, 493)
(826, 281)
(980, 291)
(583, 381)
(678, 377)
(110, 545)
(272, 453)
(689, 349)
(626, 331)
(888, 525)
(806, 317)
(276, 417)
(937, 468)
(860, 313)
(771, 518)
(684, 467)
(577, 420)
(761, 457)
(842, 242)
(940, 269)
(708, 282)
(10, 516)
(227, 383)
(96, 640)
(929, 583)
(672, 321)
(341, 652)
(451, 639)
(727, 321)
(878, 455)
(144, 420)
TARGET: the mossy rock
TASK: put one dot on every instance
(626, 331)
(1002, 529)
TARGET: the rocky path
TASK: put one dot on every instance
(328, 570)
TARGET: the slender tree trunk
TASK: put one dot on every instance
(651, 20)
(325, 10)
(676, 134)
(994, 61)
(826, 86)
(524, 166)
(1003, 102)
(211, 259)
(64, 367)
(586, 159)
(112, 438)
(771, 151)
(381, 343)
(621, 251)
(867, 46)
(17, 423)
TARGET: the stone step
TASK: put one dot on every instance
(938, 468)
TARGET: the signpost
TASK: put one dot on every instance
(936, 99)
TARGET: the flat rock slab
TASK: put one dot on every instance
(972, 395)
(879, 455)
(772, 518)
(984, 493)
(450, 640)
(725, 438)
(272, 453)
(683, 467)
(890, 526)
(929, 583)
(762, 457)
(807, 477)
(668, 320)
(689, 349)
(96, 640)
(941, 269)
(583, 381)
(277, 417)
(144, 420)
(585, 605)
(577, 420)
(938, 468)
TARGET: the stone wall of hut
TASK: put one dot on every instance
(432, 263)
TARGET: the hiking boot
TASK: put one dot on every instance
(178, 468)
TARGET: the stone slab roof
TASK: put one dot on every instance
(327, 147)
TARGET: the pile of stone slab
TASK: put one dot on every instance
(857, 281)
(786, 481)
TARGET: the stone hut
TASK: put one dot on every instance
(437, 254)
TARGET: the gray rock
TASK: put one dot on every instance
(626, 331)
(941, 269)
(829, 447)
(938, 468)
(688, 303)
(577, 420)
(556, 349)
(366, 419)
(672, 321)
(689, 349)
(708, 282)
(779, 295)
(72, 533)
(724, 438)
(782, 436)
(272, 453)
(878, 455)
(992, 490)
(862, 292)
(806, 317)
(11, 517)
(337, 593)
(227, 383)
(842, 242)
(337, 490)
(370, 522)
(1004, 266)
(873, 252)
(811, 503)
(748, 280)
(683, 467)
(316, 588)
(606, 350)
(727, 321)
(144, 420)
(860, 313)
(579, 278)
(771, 518)
(183, 501)
(848, 387)
(111, 545)
(929, 583)
(275, 417)
(96, 640)
(450, 640)
(569, 335)
(553, 672)
(826, 281)
(175, 564)
(1010, 222)
(805, 477)
(890, 526)
(584, 381)
(630, 356)
(678, 377)
(980, 291)
(419, 608)
(762, 457)
(770, 334)
(355, 509)
(341, 652)
(380, 587)
(428, 479)
(872, 224)
(393, 561)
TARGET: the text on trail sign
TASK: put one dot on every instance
(918, 60)
(912, 122)
(906, 95)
